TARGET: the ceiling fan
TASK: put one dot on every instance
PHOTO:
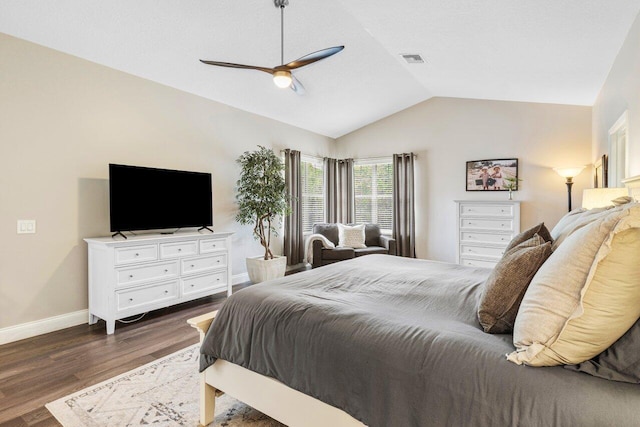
(282, 75)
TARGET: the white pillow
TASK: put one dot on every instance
(575, 220)
(351, 236)
(585, 296)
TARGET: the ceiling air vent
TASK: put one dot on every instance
(413, 58)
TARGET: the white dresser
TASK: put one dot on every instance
(485, 228)
(152, 271)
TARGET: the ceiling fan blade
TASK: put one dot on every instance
(232, 65)
(296, 86)
(313, 57)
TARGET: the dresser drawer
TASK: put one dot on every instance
(132, 254)
(212, 245)
(471, 209)
(481, 251)
(145, 273)
(196, 265)
(147, 295)
(207, 282)
(477, 263)
(174, 250)
(470, 236)
(487, 224)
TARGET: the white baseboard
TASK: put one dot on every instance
(240, 278)
(42, 326)
(55, 323)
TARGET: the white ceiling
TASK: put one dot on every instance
(523, 50)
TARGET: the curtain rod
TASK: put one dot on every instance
(415, 156)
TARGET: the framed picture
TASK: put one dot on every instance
(491, 175)
(600, 178)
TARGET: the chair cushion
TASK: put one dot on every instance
(338, 253)
(371, 250)
(351, 236)
(330, 231)
(372, 234)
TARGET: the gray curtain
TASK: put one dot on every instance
(404, 205)
(338, 178)
(293, 238)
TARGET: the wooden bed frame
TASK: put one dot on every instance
(265, 394)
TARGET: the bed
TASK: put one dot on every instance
(383, 341)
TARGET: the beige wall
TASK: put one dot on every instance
(62, 121)
(446, 132)
(621, 92)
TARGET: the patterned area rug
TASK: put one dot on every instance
(161, 393)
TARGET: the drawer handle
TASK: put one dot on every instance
(166, 271)
(137, 254)
(166, 292)
(214, 246)
(192, 285)
(179, 249)
(130, 299)
(218, 279)
(501, 225)
(131, 276)
(218, 261)
(192, 265)
(503, 239)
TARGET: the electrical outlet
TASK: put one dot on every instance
(26, 226)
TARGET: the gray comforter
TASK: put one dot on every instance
(396, 342)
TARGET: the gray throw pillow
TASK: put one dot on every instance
(540, 229)
(508, 282)
(620, 362)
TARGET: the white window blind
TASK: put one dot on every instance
(312, 177)
(373, 191)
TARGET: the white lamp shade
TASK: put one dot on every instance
(282, 78)
(601, 197)
(569, 172)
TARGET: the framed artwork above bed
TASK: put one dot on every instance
(492, 175)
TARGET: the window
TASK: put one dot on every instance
(312, 180)
(373, 190)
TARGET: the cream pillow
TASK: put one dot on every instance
(585, 296)
(575, 220)
(351, 236)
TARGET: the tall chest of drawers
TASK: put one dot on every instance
(148, 272)
(484, 229)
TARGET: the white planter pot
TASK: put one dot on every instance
(261, 270)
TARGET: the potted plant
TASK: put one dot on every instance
(262, 200)
(511, 185)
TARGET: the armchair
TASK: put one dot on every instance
(376, 244)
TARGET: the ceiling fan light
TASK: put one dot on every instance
(282, 78)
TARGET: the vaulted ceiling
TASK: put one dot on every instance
(535, 51)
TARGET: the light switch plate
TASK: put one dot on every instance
(26, 226)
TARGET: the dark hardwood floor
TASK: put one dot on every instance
(39, 370)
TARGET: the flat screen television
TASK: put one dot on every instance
(149, 199)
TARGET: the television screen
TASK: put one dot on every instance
(147, 198)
